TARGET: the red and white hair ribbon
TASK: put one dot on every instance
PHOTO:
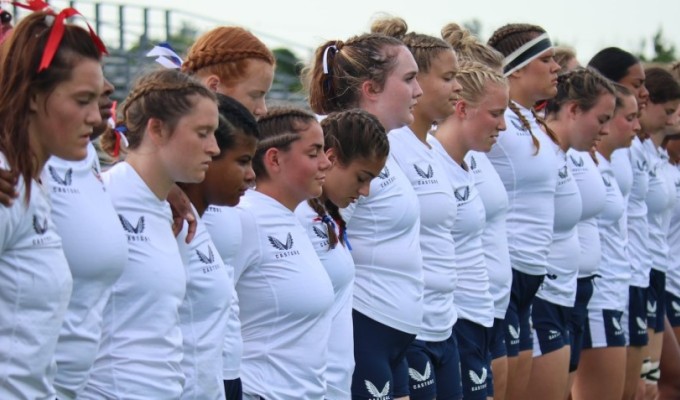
(57, 31)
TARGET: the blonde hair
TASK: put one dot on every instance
(474, 77)
(468, 47)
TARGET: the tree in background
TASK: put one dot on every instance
(664, 51)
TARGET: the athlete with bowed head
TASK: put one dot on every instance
(525, 159)
(356, 144)
(473, 128)
(48, 108)
(657, 118)
(210, 283)
(433, 358)
(169, 121)
(631, 170)
(602, 366)
(231, 61)
(577, 116)
(284, 291)
(377, 73)
(491, 191)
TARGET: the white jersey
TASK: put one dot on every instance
(473, 299)
(141, 348)
(494, 236)
(285, 302)
(35, 286)
(96, 249)
(660, 201)
(437, 207)
(530, 182)
(610, 290)
(559, 286)
(673, 272)
(340, 268)
(224, 226)
(592, 190)
(637, 227)
(384, 230)
(203, 314)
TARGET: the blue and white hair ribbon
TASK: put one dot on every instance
(166, 56)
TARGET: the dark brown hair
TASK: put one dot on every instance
(354, 135)
(369, 57)
(20, 80)
(279, 128)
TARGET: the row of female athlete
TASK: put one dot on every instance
(467, 220)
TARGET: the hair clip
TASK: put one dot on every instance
(332, 47)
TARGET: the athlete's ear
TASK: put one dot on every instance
(212, 82)
(370, 90)
(155, 130)
(332, 157)
(461, 109)
(272, 161)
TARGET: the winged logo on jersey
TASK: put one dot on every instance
(385, 173)
(66, 181)
(416, 376)
(652, 172)
(374, 390)
(277, 243)
(641, 323)
(128, 226)
(473, 163)
(513, 332)
(606, 181)
(39, 228)
(676, 306)
(642, 166)
(477, 379)
(423, 174)
(577, 162)
(209, 259)
(651, 307)
(616, 324)
(563, 172)
(462, 194)
(320, 233)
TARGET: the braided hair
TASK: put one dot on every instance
(353, 135)
(468, 47)
(225, 51)
(166, 95)
(424, 48)
(280, 127)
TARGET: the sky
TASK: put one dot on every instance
(586, 25)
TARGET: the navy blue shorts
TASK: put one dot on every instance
(604, 329)
(550, 326)
(381, 369)
(233, 389)
(673, 309)
(434, 370)
(473, 346)
(635, 317)
(577, 320)
(497, 347)
(656, 300)
(517, 327)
